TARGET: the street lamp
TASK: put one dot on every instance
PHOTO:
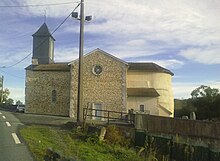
(80, 69)
(76, 16)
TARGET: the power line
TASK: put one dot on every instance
(36, 5)
(44, 40)
(18, 36)
(65, 19)
(12, 75)
(18, 61)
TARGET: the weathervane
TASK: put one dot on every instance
(45, 16)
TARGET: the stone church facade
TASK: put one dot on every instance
(109, 83)
(107, 88)
(47, 89)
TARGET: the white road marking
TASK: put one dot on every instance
(3, 117)
(7, 123)
(16, 139)
(0, 113)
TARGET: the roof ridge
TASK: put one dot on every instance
(104, 52)
(151, 66)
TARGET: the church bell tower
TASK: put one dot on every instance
(43, 46)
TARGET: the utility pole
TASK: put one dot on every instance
(2, 83)
(80, 70)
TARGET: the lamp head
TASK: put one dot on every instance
(75, 14)
(88, 18)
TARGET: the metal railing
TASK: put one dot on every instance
(109, 115)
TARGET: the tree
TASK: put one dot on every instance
(9, 101)
(4, 95)
(5, 99)
(205, 102)
(204, 91)
(19, 102)
(183, 107)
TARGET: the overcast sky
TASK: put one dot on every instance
(180, 35)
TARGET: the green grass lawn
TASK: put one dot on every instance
(69, 144)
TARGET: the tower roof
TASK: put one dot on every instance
(43, 31)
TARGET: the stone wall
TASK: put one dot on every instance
(108, 88)
(39, 88)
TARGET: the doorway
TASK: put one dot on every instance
(97, 114)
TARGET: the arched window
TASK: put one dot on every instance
(54, 96)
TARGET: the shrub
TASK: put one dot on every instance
(114, 135)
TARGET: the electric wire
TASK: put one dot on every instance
(12, 75)
(18, 36)
(36, 5)
(65, 19)
(42, 41)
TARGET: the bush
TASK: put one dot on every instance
(114, 136)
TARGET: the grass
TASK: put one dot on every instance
(71, 144)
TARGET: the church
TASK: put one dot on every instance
(109, 83)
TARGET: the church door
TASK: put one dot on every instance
(96, 114)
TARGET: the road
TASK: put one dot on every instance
(12, 147)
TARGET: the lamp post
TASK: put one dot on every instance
(80, 69)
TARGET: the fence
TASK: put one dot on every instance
(108, 115)
(167, 149)
(183, 127)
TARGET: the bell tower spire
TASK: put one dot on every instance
(43, 46)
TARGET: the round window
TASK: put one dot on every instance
(97, 69)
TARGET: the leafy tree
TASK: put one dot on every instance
(9, 101)
(19, 102)
(207, 107)
(4, 99)
(4, 95)
(204, 91)
(183, 107)
(205, 102)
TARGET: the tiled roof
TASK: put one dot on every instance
(49, 67)
(151, 67)
(142, 92)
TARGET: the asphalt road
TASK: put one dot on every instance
(12, 147)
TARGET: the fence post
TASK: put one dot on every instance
(108, 117)
(171, 148)
(131, 113)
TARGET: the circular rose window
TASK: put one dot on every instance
(97, 69)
